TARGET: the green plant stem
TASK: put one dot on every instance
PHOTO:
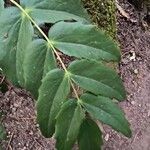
(74, 90)
(49, 43)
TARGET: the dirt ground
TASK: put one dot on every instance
(19, 120)
(135, 72)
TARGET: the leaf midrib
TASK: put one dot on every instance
(50, 110)
(96, 82)
(103, 110)
(98, 49)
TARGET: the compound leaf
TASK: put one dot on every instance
(32, 64)
(83, 41)
(52, 94)
(97, 78)
(90, 136)
(14, 22)
(39, 60)
(68, 124)
(105, 110)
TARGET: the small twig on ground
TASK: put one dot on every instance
(38, 143)
(8, 145)
(2, 79)
(17, 119)
(136, 135)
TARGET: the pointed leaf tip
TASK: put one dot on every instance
(90, 136)
(105, 110)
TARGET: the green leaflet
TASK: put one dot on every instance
(90, 136)
(105, 110)
(68, 124)
(10, 21)
(97, 78)
(1, 6)
(52, 94)
(35, 3)
(83, 41)
(39, 60)
(52, 16)
(12, 47)
(24, 38)
(51, 11)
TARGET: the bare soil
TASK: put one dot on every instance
(135, 72)
(19, 118)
